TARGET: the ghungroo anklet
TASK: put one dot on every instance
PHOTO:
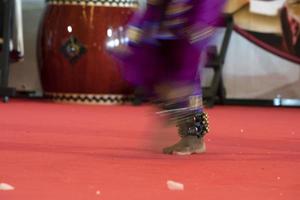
(194, 125)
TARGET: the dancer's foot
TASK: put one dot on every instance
(186, 146)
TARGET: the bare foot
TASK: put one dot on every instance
(186, 146)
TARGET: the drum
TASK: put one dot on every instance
(73, 60)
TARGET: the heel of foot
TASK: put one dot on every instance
(201, 149)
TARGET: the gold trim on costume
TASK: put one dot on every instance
(195, 101)
(204, 33)
(134, 34)
(175, 22)
(177, 9)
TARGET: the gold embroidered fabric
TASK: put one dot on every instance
(195, 102)
(154, 2)
(175, 22)
(176, 9)
(197, 34)
(134, 34)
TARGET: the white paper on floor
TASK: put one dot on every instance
(5, 186)
(172, 185)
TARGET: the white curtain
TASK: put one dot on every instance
(252, 72)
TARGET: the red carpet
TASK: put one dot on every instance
(79, 152)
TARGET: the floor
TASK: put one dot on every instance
(51, 151)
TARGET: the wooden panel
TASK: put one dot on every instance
(294, 10)
(234, 5)
(257, 23)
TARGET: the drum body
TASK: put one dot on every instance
(73, 60)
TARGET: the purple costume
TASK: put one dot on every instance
(166, 41)
(165, 44)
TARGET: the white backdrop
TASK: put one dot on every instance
(252, 72)
(25, 75)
